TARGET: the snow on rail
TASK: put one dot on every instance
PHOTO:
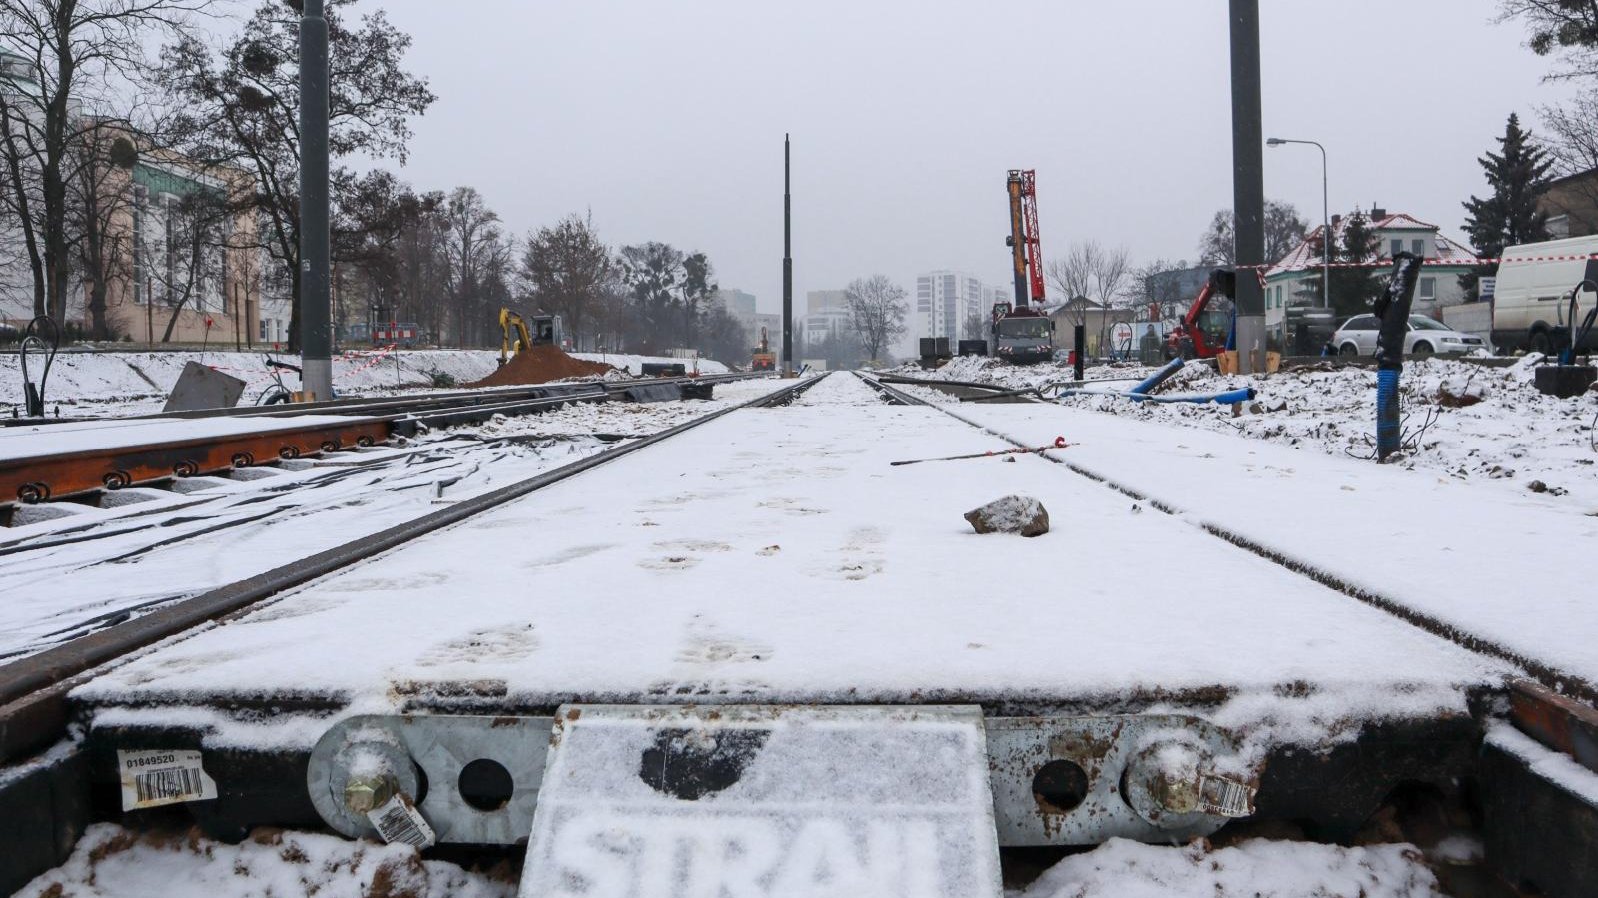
(67, 576)
(774, 555)
(42, 440)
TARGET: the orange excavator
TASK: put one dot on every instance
(763, 359)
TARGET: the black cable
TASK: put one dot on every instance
(34, 340)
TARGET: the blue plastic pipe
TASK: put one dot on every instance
(1226, 398)
(1159, 377)
(1388, 431)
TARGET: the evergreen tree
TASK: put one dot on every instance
(1518, 177)
(1353, 289)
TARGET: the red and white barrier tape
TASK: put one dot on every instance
(1453, 263)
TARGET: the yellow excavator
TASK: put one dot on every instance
(544, 329)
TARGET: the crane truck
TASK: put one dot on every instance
(1022, 333)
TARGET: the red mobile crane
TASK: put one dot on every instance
(1022, 333)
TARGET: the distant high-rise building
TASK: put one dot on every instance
(826, 300)
(738, 304)
(946, 300)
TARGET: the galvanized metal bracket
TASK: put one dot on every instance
(475, 779)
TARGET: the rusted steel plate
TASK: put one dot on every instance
(1557, 721)
(38, 478)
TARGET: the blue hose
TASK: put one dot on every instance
(1159, 377)
(1388, 432)
(1226, 398)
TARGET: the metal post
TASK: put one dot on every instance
(1326, 241)
(1248, 182)
(316, 337)
(1079, 334)
(787, 264)
(1326, 219)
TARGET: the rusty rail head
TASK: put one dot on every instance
(1557, 721)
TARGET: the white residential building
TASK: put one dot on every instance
(1295, 278)
(946, 300)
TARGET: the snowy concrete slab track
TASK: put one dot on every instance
(774, 557)
(692, 572)
(1493, 568)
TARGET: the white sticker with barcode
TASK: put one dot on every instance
(1228, 798)
(397, 820)
(151, 779)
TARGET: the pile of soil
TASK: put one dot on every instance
(540, 365)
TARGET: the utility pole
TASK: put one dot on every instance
(1248, 183)
(316, 305)
(787, 263)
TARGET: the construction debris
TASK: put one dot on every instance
(539, 365)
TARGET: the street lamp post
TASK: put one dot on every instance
(1326, 219)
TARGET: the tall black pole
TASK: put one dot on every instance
(1248, 182)
(316, 332)
(787, 262)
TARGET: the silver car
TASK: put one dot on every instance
(1357, 337)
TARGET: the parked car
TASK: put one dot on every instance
(1357, 337)
(1531, 296)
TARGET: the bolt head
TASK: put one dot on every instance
(364, 794)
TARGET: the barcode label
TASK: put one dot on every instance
(151, 779)
(397, 820)
(1225, 797)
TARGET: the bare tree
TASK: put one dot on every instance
(241, 108)
(975, 325)
(1089, 269)
(67, 63)
(1162, 292)
(101, 200)
(876, 312)
(1284, 231)
(471, 247)
(1571, 131)
(1567, 29)
(653, 273)
(569, 271)
(181, 246)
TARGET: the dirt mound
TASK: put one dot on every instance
(540, 365)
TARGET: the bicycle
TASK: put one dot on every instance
(279, 392)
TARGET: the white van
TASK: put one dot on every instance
(1531, 300)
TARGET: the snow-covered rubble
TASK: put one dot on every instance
(1490, 423)
(113, 382)
(1254, 869)
(113, 862)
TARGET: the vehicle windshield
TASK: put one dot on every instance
(1422, 323)
(1024, 328)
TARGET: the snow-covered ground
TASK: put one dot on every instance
(72, 574)
(111, 862)
(1257, 869)
(1509, 433)
(126, 383)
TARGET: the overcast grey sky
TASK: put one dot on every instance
(666, 120)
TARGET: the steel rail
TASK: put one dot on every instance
(1559, 681)
(33, 690)
(40, 478)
